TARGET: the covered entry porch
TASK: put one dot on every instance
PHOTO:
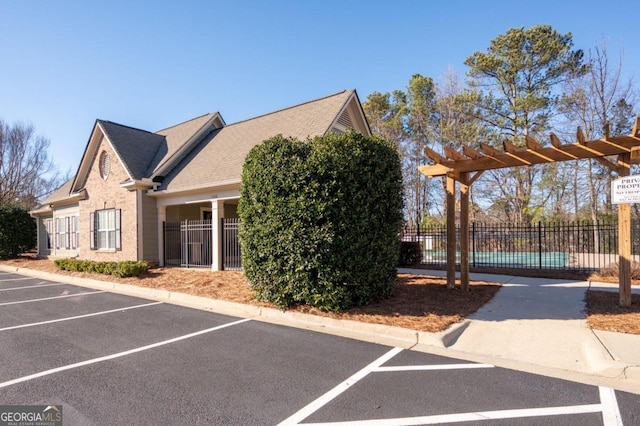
(197, 233)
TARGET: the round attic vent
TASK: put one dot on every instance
(105, 165)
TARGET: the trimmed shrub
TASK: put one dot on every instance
(117, 269)
(321, 219)
(18, 232)
(410, 253)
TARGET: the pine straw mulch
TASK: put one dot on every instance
(605, 313)
(419, 302)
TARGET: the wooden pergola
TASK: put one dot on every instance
(466, 167)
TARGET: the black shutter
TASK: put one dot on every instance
(118, 236)
(92, 230)
(57, 233)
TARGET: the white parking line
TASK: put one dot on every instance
(472, 417)
(333, 393)
(608, 404)
(51, 298)
(16, 279)
(30, 286)
(79, 316)
(118, 355)
(431, 367)
(610, 411)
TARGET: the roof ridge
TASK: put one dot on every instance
(289, 107)
(186, 121)
(124, 125)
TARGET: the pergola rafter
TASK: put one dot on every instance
(457, 166)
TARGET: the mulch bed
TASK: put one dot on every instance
(605, 313)
(419, 302)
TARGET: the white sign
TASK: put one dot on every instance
(626, 190)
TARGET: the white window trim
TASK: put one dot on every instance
(96, 231)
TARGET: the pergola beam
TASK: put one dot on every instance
(456, 167)
(636, 127)
(497, 159)
(471, 153)
(453, 154)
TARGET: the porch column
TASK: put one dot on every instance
(39, 224)
(162, 218)
(217, 213)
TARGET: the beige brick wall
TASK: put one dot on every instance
(107, 194)
(150, 225)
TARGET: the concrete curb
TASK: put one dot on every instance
(377, 333)
(613, 373)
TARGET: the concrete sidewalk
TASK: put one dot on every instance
(542, 322)
(536, 325)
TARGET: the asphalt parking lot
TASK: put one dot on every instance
(111, 359)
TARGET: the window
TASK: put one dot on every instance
(105, 165)
(48, 226)
(66, 233)
(105, 229)
(75, 232)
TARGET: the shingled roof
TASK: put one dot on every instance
(176, 136)
(136, 148)
(218, 158)
(60, 194)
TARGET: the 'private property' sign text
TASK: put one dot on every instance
(626, 190)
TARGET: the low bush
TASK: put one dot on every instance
(410, 253)
(613, 271)
(117, 269)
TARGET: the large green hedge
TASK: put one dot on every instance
(17, 231)
(320, 220)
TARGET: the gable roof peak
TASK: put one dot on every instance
(209, 114)
(292, 107)
(217, 159)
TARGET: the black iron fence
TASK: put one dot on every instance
(189, 244)
(574, 246)
(231, 259)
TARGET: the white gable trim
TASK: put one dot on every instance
(355, 109)
(97, 136)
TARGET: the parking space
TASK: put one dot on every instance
(114, 359)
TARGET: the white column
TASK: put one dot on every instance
(217, 213)
(162, 217)
(139, 224)
(39, 224)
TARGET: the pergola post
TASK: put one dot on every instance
(624, 237)
(451, 232)
(464, 230)
(456, 166)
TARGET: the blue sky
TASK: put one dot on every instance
(152, 64)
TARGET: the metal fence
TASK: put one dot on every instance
(172, 245)
(573, 246)
(188, 243)
(231, 259)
